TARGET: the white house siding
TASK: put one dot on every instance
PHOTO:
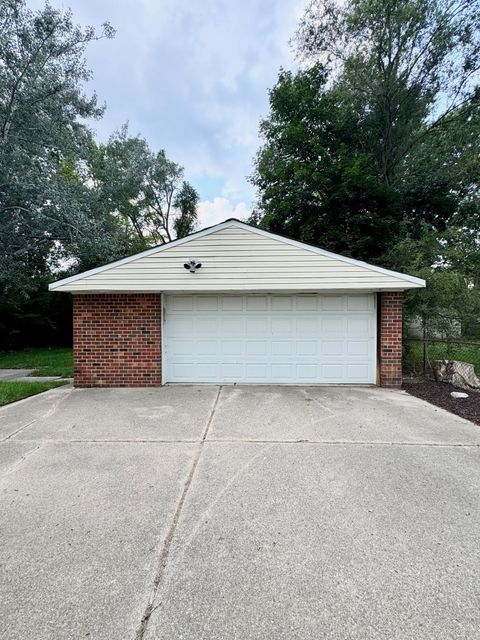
(236, 258)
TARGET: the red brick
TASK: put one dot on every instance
(390, 338)
(117, 340)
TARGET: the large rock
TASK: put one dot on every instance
(460, 374)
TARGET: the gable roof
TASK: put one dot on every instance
(236, 256)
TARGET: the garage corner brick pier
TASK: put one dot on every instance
(117, 339)
(262, 309)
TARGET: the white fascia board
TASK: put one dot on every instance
(236, 223)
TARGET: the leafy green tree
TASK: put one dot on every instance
(398, 77)
(316, 182)
(43, 211)
(186, 202)
(372, 148)
(143, 189)
(410, 64)
(440, 181)
(116, 171)
(67, 203)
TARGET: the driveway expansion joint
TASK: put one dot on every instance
(368, 443)
(332, 443)
(167, 543)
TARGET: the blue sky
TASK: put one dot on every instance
(192, 76)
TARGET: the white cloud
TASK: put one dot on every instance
(192, 77)
(219, 209)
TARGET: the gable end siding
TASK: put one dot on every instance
(236, 259)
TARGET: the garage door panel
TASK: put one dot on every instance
(232, 326)
(306, 371)
(359, 303)
(231, 371)
(357, 347)
(207, 348)
(257, 303)
(282, 326)
(332, 371)
(207, 370)
(256, 371)
(356, 371)
(232, 303)
(282, 347)
(306, 303)
(307, 326)
(206, 326)
(332, 347)
(181, 347)
(306, 348)
(207, 303)
(182, 303)
(278, 338)
(183, 326)
(282, 303)
(333, 326)
(256, 347)
(232, 347)
(182, 371)
(333, 303)
(257, 326)
(358, 326)
(282, 371)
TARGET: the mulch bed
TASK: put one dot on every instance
(438, 393)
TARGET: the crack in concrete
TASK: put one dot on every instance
(48, 414)
(14, 466)
(165, 549)
(320, 404)
(206, 513)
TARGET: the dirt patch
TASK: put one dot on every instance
(438, 393)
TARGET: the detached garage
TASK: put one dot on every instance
(234, 303)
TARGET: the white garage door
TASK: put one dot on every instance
(270, 338)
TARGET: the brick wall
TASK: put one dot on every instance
(390, 338)
(117, 340)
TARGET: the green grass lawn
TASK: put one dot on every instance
(46, 362)
(440, 351)
(12, 390)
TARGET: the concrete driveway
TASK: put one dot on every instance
(207, 513)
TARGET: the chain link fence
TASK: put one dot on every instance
(418, 354)
(441, 338)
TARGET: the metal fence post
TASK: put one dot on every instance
(424, 348)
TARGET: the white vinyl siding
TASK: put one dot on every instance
(270, 338)
(235, 258)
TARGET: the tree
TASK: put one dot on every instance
(378, 131)
(411, 64)
(186, 201)
(67, 203)
(145, 190)
(316, 181)
(371, 149)
(449, 300)
(42, 210)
